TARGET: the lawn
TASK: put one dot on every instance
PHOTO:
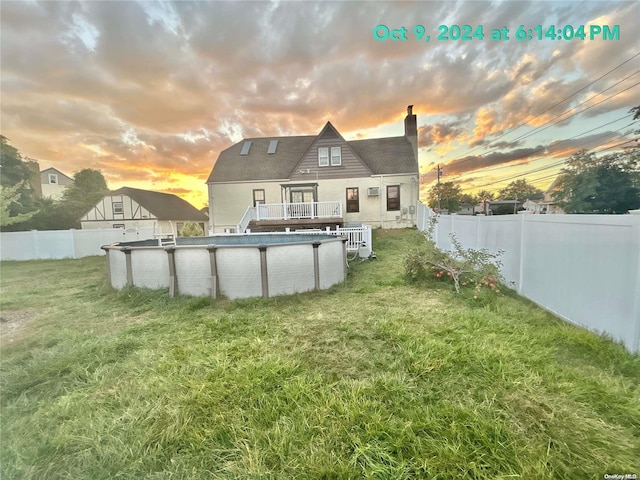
(376, 378)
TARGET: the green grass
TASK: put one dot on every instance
(375, 378)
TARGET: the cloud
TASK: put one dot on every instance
(154, 91)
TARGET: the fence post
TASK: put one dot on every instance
(521, 262)
(72, 232)
(36, 253)
(635, 239)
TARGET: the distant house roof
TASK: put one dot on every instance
(55, 170)
(381, 155)
(165, 206)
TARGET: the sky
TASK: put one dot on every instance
(150, 93)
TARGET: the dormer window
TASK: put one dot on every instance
(328, 156)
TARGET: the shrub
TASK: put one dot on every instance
(191, 229)
(463, 266)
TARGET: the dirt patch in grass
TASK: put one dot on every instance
(13, 323)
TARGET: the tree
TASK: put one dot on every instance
(446, 195)
(607, 184)
(8, 197)
(88, 187)
(191, 229)
(468, 199)
(521, 190)
(21, 174)
(485, 197)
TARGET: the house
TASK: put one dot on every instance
(504, 207)
(316, 181)
(134, 208)
(53, 183)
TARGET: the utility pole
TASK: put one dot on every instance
(439, 170)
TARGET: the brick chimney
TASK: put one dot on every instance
(411, 130)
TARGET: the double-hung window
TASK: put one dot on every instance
(258, 197)
(336, 156)
(117, 208)
(323, 156)
(329, 156)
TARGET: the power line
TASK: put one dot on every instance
(534, 171)
(559, 143)
(538, 130)
(527, 120)
(553, 145)
(618, 145)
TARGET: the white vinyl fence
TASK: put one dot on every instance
(583, 268)
(52, 244)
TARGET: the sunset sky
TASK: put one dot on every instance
(150, 92)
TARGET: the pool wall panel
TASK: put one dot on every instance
(193, 269)
(290, 269)
(150, 268)
(239, 273)
(117, 269)
(331, 260)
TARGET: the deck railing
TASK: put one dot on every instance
(249, 214)
(287, 211)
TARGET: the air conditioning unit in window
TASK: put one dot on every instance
(373, 191)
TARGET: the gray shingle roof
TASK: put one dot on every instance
(258, 165)
(386, 155)
(382, 156)
(165, 206)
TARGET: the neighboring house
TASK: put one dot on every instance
(316, 181)
(504, 207)
(542, 206)
(53, 183)
(551, 203)
(134, 208)
(466, 209)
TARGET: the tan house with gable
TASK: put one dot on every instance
(53, 183)
(135, 208)
(316, 181)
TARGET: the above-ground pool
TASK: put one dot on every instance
(236, 266)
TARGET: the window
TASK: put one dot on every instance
(53, 178)
(353, 203)
(273, 145)
(336, 156)
(258, 197)
(393, 197)
(118, 225)
(323, 156)
(117, 208)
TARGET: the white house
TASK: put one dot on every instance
(134, 208)
(316, 181)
